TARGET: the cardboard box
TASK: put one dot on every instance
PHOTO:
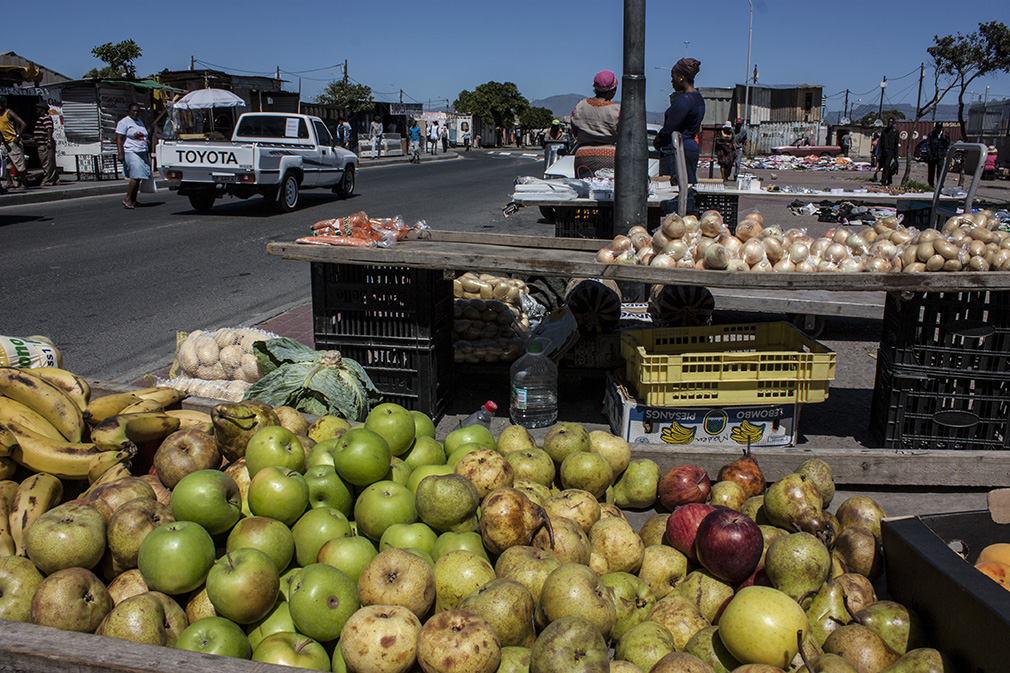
(769, 425)
(964, 613)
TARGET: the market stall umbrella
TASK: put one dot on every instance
(204, 99)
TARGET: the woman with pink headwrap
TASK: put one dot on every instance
(594, 124)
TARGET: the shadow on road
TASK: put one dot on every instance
(261, 207)
(6, 220)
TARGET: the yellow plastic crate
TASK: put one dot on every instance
(764, 363)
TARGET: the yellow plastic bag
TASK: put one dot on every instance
(29, 352)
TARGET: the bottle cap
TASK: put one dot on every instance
(491, 406)
(534, 347)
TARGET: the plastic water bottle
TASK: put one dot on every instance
(534, 399)
(482, 416)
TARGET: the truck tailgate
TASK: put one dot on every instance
(209, 156)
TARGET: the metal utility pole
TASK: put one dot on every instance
(918, 96)
(345, 71)
(192, 62)
(985, 104)
(845, 106)
(746, 98)
(631, 176)
(883, 85)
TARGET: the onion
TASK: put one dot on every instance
(673, 226)
(663, 261)
(702, 246)
(752, 252)
(659, 240)
(773, 249)
(806, 266)
(748, 229)
(686, 263)
(827, 267)
(830, 233)
(818, 247)
(627, 257)
(772, 231)
(639, 254)
(755, 215)
(620, 243)
(700, 264)
(731, 242)
(737, 265)
(896, 263)
(716, 256)
(605, 256)
(691, 222)
(785, 265)
(764, 266)
(850, 265)
(711, 223)
(793, 235)
(890, 222)
(877, 265)
(637, 229)
(856, 243)
(841, 235)
(676, 248)
(640, 239)
(798, 252)
(885, 248)
(646, 259)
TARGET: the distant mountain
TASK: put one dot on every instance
(563, 104)
(944, 113)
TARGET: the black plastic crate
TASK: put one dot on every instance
(392, 303)
(415, 376)
(727, 205)
(593, 221)
(956, 334)
(913, 411)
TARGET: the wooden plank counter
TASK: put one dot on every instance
(572, 257)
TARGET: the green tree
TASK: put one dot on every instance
(354, 97)
(535, 118)
(493, 102)
(119, 57)
(870, 117)
(964, 58)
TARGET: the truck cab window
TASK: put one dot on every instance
(323, 136)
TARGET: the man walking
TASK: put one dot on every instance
(888, 152)
(937, 144)
(375, 135)
(11, 128)
(415, 142)
(46, 145)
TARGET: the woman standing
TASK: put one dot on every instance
(725, 150)
(594, 124)
(133, 141)
(684, 116)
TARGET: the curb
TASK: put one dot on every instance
(50, 194)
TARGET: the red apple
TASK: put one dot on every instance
(729, 544)
(683, 484)
(682, 526)
(758, 578)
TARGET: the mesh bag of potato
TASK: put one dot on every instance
(228, 391)
(488, 320)
(222, 355)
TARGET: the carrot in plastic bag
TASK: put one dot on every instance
(349, 241)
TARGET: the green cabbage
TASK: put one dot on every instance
(314, 382)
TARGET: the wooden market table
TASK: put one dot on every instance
(453, 252)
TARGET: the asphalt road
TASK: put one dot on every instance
(112, 286)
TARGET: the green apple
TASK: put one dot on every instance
(314, 529)
(394, 423)
(286, 579)
(72, 534)
(270, 536)
(363, 457)
(350, 554)
(322, 453)
(274, 446)
(278, 620)
(423, 425)
(279, 493)
(176, 557)
(419, 473)
(449, 541)
(292, 649)
(399, 472)
(759, 625)
(380, 506)
(322, 598)
(327, 489)
(425, 451)
(151, 618)
(425, 556)
(470, 434)
(215, 635)
(407, 535)
(210, 498)
(243, 585)
(458, 454)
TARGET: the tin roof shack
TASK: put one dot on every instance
(26, 85)
(91, 108)
(261, 94)
(780, 102)
(14, 65)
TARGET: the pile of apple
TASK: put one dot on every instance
(378, 548)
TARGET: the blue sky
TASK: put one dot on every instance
(433, 50)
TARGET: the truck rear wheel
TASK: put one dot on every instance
(201, 201)
(287, 194)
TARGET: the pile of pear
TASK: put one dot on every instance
(509, 555)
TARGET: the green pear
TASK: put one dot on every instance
(920, 660)
(663, 569)
(859, 552)
(820, 472)
(706, 591)
(423, 425)
(587, 472)
(538, 493)
(644, 644)
(508, 607)
(570, 644)
(447, 542)
(827, 663)
(653, 531)
(681, 616)
(565, 439)
(827, 612)
(447, 502)
(896, 624)
(636, 487)
(792, 501)
(532, 464)
(327, 427)
(573, 589)
(236, 422)
(797, 564)
(514, 660)
(861, 510)
(861, 647)
(615, 449)
(754, 507)
(633, 599)
(707, 646)
(515, 438)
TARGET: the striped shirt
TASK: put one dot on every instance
(43, 129)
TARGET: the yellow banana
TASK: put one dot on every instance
(5, 517)
(114, 473)
(12, 411)
(144, 405)
(101, 408)
(7, 546)
(192, 419)
(45, 398)
(36, 495)
(7, 468)
(7, 490)
(7, 441)
(63, 459)
(104, 462)
(124, 430)
(163, 395)
(73, 385)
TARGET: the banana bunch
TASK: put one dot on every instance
(747, 433)
(677, 434)
(45, 417)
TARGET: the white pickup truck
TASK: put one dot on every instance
(270, 153)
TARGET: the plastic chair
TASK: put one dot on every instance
(970, 159)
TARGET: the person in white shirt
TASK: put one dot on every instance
(133, 141)
(433, 138)
(375, 135)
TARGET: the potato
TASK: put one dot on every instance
(207, 350)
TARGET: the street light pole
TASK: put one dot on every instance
(746, 98)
